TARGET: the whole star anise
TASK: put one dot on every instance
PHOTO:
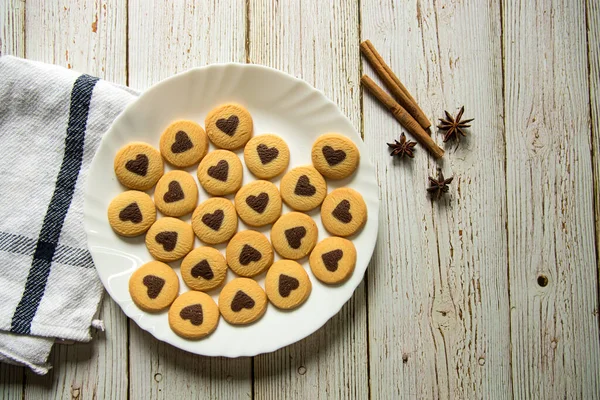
(454, 127)
(402, 147)
(439, 186)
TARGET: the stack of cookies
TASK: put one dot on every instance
(154, 287)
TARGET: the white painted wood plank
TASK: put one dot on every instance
(89, 36)
(318, 42)
(438, 286)
(166, 38)
(12, 28)
(12, 42)
(593, 37)
(552, 255)
(87, 370)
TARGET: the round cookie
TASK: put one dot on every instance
(131, 213)
(242, 301)
(249, 253)
(303, 188)
(138, 166)
(294, 235)
(258, 203)
(194, 315)
(333, 260)
(287, 284)
(335, 156)
(220, 173)
(153, 286)
(204, 269)
(266, 156)
(229, 126)
(183, 143)
(169, 239)
(343, 212)
(215, 220)
(176, 194)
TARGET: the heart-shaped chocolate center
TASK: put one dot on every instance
(154, 284)
(182, 143)
(139, 166)
(342, 212)
(167, 239)
(266, 153)
(241, 300)
(331, 258)
(304, 188)
(219, 171)
(333, 157)
(192, 313)
(258, 203)
(249, 254)
(287, 284)
(294, 236)
(229, 125)
(174, 194)
(214, 220)
(203, 270)
(131, 213)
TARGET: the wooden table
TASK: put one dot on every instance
(489, 293)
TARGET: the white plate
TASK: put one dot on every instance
(279, 104)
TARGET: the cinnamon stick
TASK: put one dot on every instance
(392, 82)
(405, 119)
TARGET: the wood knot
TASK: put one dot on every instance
(158, 377)
(542, 280)
(302, 370)
(481, 361)
(404, 358)
(75, 392)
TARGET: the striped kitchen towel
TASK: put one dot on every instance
(51, 122)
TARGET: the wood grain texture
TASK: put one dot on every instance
(11, 382)
(88, 36)
(593, 38)
(438, 286)
(318, 42)
(12, 28)
(166, 38)
(169, 37)
(552, 257)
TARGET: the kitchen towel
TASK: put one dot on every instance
(51, 122)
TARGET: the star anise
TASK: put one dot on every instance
(402, 147)
(438, 186)
(454, 127)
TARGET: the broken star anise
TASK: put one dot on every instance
(439, 186)
(454, 126)
(402, 147)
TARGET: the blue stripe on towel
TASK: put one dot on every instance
(64, 189)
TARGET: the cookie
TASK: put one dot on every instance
(303, 188)
(333, 260)
(194, 315)
(176, 194)
(183, 143)
(266, 156)
(153, 286)
(131, 213)
(294, 235)
(229, 126)
(169, 239)
(249, 253)
(220, 173)
(204, 269)
(335, 156)
(287, 284)
(343, 212)
(215, 220)
(258, 203)
(138, 166)
(242, 301)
